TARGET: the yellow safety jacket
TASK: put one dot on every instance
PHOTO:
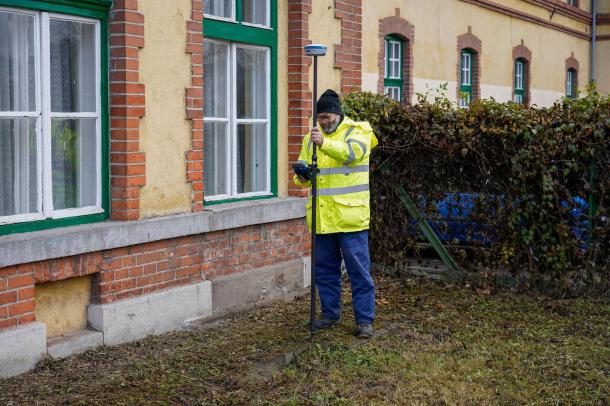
(343, 178)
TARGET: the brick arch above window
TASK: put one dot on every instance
(401, 28)
(523, 53)
(572, 63)
(473, 44)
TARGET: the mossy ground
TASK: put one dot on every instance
(441, 345)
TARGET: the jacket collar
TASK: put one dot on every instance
(345, 123)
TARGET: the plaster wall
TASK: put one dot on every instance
(325, 29)
(62, 305)
(282, 99)
(165, 132)
(603, 65)
(555, 18)
(603, 6)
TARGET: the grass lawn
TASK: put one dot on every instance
(436, 345)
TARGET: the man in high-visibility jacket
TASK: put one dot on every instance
(343, 212)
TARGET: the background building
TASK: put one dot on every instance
(145, 146)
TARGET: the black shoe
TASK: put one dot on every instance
(365, 330)
(322, 324)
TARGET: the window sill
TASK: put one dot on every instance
(63, 242)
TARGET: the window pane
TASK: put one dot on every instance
(466, 69)
(396, 69)
(73, 163)
(251, 158)
(569, 83)
(255, 11)
(219, 8)
(17, 62)
(252, 83)
(215, 79)
(215, 158)
(393, 92)
(396, 50)
(18, 166)
(465, 100)
(72, 66)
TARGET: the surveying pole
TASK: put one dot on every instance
(314, 50)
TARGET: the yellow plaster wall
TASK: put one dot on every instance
(585, 5)
(282, 98)
(603, 6)
(545, 14)
(325, 29)
(62, 305)
(603, 66)
(438, 24)
(165, 133)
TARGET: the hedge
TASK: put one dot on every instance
(516, 192)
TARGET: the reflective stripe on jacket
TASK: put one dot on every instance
(343, 178)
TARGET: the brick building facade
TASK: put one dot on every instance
(158, 189)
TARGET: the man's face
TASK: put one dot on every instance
(328, 122)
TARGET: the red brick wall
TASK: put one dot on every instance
(17, 284)
(136, 270)
(194, 105)
(127, 101)
(299, 95)
(16, 296)
(523, 52)
(469, 41)
(348, 55)
(402, 28)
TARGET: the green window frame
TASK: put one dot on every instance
(571, 83)
(230, 29)
(520, 79)
(97, 10)
(393, 79)
(466, 77)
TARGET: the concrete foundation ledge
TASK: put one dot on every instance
(21, 348)
(245, 290)
(131, 319)
(73, 343)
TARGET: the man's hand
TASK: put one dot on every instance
(317, 137)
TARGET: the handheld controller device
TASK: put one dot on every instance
(301, 171)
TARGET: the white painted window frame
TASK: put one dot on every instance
(393, 92)
(394, 56)
(267, 24)
(466, 69)
(464, 100)
(519, 65)
(233, 18)
(233, 121)
(26, 217)
(570, 83)
(44, 116)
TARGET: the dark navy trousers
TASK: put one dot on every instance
(354, 249)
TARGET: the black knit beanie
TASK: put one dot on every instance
(329, 103)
